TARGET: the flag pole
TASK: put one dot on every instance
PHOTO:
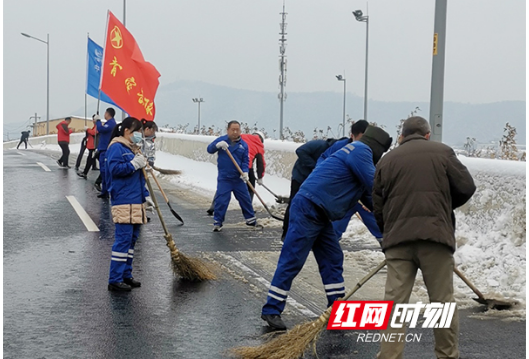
(86, 87)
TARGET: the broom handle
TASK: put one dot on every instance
(325, 316)
(155, 202)
(248, 183)
(159, 186)
(467, 282)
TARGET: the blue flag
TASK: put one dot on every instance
(93, 72)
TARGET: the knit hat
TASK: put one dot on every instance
(378, 140)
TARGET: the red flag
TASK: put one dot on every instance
(129, 80)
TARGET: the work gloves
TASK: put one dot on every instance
(260, 181)
(139, 161)
(97, 118)
(222, 145)
(149, 203)
(244, 176)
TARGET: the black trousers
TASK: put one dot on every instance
(294, 188)
(25, 143)
(251, 178)
(81, 153)
(65, 153)
(89, 161)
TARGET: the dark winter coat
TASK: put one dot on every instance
(127, 185)
(339, 182)
(63, 132)
(239, 151)
(308, 155)
(25, 135)
(416, 188)
(335, 147)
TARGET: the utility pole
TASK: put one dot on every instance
(359, 15)
(35, 126)
(282, 68)
(438, 69)
(123, 113)
(199, 101)
(342, 78)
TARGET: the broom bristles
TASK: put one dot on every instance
(190, 268)
(291, 345)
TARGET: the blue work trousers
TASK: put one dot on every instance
(308, 228)
(222, 199)
(368, 218)
(126, 236)
(105, 176)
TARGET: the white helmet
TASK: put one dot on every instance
(260, 134)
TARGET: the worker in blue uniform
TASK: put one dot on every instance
(331, 190)
(357, 130)
(125, 165)
(229, 179)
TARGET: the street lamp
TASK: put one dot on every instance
(342, 78)
(199, 101)
(359, 15)
(47, 78)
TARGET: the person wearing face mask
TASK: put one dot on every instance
(330, 191)
(229, 178)
(148, 147)
(128, 196)
(105, 133)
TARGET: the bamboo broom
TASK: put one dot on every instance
(189, 268)
(292, 344)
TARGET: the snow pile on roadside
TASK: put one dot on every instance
(491, 229)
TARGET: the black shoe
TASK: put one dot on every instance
(77, 168)
(81, 174)
(103, 196)
(274, 321)
(133, 283)
(252, 223)
(210, 211)
(148, 219)
(60, 163)
(217, 228)
(95, 169)
(119, 287)
(97, 186)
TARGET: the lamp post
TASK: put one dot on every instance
(342, 78)
(47, 42)
(359, 15)
(199, 101)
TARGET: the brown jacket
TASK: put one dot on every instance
(416, 188)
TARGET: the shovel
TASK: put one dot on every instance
(279, 199)
(498, 304)
(253, 189)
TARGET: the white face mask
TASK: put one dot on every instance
(137, 137)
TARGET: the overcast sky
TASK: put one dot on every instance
(235, 43)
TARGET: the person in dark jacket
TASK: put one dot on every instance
(63, 137)
(417, 186)
(308, 155)
(330, 191)
(82, 149)
(124, 165)
(357, 131)
(105, 133)
(229, 178)
(90, 146)
(24, 139)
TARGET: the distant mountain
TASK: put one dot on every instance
(308, 110)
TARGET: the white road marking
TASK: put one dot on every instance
(44, 167)
(300, 307)
(87, 221)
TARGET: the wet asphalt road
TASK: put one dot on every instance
(56, 304)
